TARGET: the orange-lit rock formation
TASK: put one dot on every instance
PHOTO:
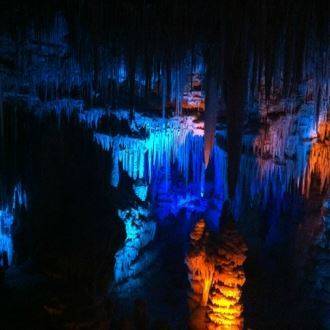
(216, 277)
(200, 265)
(319, 159)
(225, 308)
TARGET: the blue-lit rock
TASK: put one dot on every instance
(18, 199)
(140, 231)
(6, 242)
(141, 191)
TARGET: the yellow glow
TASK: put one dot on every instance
(225, 308)
(217, 276)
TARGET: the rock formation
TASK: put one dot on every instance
(216, 277)
(225, 307)
(200, 265)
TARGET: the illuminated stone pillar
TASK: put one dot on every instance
(224, 307)
(319, 159)
(200, 265)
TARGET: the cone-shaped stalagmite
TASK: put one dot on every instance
(225, 308)
(319, 159)
(200, 265)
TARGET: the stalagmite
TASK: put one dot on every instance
(18, 199)
(200, 265)
(6, 243)
(139, 232)
(225, 308)
(319, 159)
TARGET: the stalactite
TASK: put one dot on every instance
(164, 94)
(131, 80)
(220, 182)
(235, 78)
(1, 111)
(177, 92)
(168, 80)
(147, 74)
(211, 111)
(115, 174)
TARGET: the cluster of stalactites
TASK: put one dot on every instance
(290, 148)
(282, 46)
(281, 152)
(225, 308)
(179, 143)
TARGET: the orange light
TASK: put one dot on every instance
(216, 277)
(319, 159)
(225, 307)
(201, 267)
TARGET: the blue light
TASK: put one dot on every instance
(167, 164)
(141, 191)
(6, 242)
(19, 198)
(140, 230)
